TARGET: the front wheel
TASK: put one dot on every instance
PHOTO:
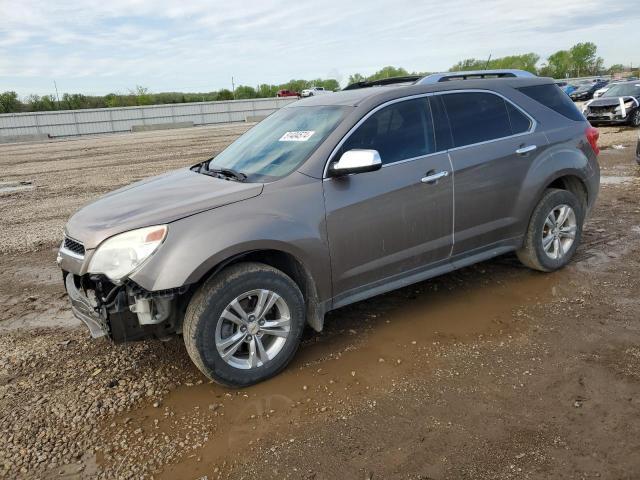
(634, 119)
(554, 231)
(244, 325)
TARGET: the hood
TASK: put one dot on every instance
(154, 201)
(609, 101)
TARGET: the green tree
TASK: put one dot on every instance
(468, 64)
(559, 64)
(225, 94)
(330, 84)
(526, 61)
(388, 72)
(355, 78)
(584, 58)
(618, 67)
(37, 103)
(245, 91)
(142, 95)
(9, 102)
(74, 101)
(267, 91)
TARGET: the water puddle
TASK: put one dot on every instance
(615, 180)
(10, 187)
(366, 347)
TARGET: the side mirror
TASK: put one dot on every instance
(356, 161)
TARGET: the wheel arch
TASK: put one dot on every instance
(572, 183)
(568, 179)
(286, 262)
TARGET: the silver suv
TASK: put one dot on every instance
(329, 201)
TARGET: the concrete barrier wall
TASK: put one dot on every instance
(110, 120)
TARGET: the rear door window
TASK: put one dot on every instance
(442, 132)
(476, 117)
(520, 123)
(400, 131)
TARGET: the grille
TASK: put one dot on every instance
(73, 246)
(602, 109)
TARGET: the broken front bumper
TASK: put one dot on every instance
(83, 310)
(609, 118)
(125, 313)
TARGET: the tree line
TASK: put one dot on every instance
(579, 60)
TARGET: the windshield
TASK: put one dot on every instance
(623, 90)
(280, 143)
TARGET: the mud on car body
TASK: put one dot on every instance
(620, 104)
(329, 201)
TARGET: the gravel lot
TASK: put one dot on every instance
(490, 372)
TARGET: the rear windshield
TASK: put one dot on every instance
(280, 143)
(551, 96)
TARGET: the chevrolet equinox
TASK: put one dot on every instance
(329, 201)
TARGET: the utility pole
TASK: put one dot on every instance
(57, 96)
(233, 88)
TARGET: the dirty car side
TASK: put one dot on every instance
(321, 231)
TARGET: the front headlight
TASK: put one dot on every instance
(628, 105)
(121, 254)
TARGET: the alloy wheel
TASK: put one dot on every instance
(559, 231)
(253, 329)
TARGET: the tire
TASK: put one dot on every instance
(206, 331)
(634, 118)
(533, 253)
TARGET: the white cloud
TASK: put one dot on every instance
(97, 46)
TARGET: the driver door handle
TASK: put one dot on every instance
(434, 177)
(527, 149)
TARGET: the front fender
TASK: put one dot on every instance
(195, 245)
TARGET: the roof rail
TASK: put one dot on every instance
(473, 75)
(409, 79)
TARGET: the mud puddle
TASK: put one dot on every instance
(615, 180)
(365, 348)
(11, 187)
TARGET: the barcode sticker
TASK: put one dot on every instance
(301, 136)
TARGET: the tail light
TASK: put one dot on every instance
(592, 137)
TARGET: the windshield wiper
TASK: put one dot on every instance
(228, 173)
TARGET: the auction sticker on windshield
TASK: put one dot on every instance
(301, 136)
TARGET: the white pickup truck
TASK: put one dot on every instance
(311, 91)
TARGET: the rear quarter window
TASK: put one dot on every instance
(551, 96)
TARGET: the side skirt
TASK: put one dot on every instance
(424, 273)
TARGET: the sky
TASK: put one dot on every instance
(101, 46)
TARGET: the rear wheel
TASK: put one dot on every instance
(244, 325)
(554, 231)
(634, 119)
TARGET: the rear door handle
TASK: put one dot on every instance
(432, 178)
(527, 149)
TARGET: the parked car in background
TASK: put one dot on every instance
(327, 202)
(619, 104)
(287, 93)
(566, 87)
(312, 91)
(598, 93)
(585, 91)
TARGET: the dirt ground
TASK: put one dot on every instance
(491, 372)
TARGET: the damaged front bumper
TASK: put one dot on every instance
(609, 118)
(84, 311)
(123, 312)
(126, 312)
